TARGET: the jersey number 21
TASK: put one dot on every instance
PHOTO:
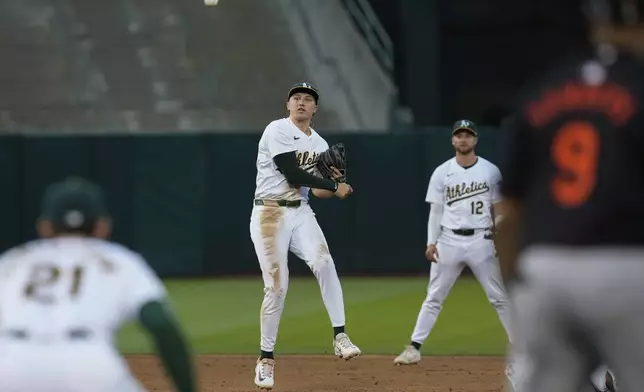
(44, 277)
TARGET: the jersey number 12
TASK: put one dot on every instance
(477, 207)
(46, 276)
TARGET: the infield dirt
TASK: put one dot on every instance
(326, 373)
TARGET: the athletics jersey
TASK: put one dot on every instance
(466, 193)
(51, 286)
(279, 137)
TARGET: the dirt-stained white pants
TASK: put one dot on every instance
(454, 253)
(275, 231)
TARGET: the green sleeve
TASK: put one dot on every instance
(171, 347)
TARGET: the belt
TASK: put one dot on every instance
(70, 334)
(465, 232)
(468, 232)
(278, 203)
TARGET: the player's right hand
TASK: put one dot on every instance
(344, 190)
(431, 253)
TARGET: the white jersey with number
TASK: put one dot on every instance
(467, 194)
(279, 137)
(51, 286)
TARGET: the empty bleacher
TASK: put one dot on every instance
(145, 66)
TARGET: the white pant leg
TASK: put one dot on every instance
(309, 244)
(270, 230)
(482, 260)
(442, 277)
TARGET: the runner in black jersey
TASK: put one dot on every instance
(576, 154)
(573, 181)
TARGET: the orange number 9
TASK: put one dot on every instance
(575, 149)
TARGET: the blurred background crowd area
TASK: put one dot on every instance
(179, 66)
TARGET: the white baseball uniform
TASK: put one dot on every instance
(61, 302)
(277, 229)
(466, 196)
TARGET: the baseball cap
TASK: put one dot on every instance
(304, 87)
(465, 125)
(74, 204)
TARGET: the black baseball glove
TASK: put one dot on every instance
(334, 157)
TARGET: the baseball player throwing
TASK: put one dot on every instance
(288, 167)
(465, 201)
(62, 297)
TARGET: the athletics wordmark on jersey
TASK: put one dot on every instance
(464, 191)
(307, 160)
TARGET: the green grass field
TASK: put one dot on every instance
(222, 317)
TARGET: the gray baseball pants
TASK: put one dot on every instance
(574, 308)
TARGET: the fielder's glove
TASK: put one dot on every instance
(334, 157)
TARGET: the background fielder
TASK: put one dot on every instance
(463, 193)
(63, 297)
(282, 220)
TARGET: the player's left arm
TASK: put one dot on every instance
(322, 193)
(146, 301)
(160, 322)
